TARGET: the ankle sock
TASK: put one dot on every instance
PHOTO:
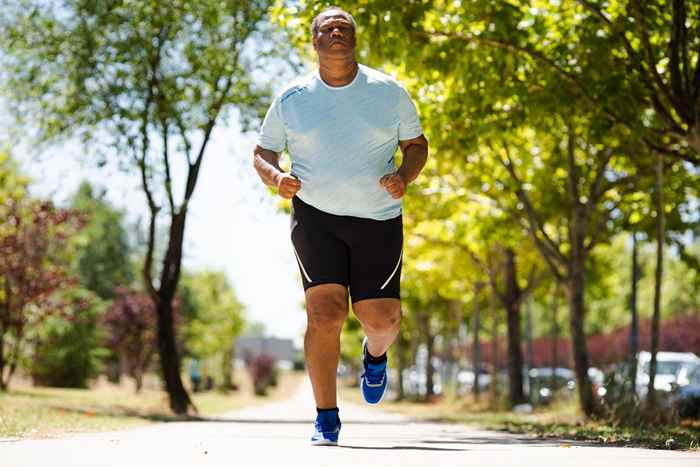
(372, 359)
(332, 409)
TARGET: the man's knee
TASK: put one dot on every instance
(382, 319)
(326, 311)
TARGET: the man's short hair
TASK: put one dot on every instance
(317, 18)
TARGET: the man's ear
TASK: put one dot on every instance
(314, 42)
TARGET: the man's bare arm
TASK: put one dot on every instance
(415, 154)
(266, 163)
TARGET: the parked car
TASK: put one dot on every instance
(686, 397)
(669, 365)
(539, 385)
(465, 380)
(415, 381)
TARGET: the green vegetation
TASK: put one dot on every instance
(556, 129)
(28, 412)
(562, 420)
(559, 130)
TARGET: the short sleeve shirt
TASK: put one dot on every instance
(342, 140)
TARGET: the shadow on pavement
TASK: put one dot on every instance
(497, 439)
(403, 448)
(118, 411)
(512, 440)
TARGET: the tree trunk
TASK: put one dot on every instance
(429, 384)
(634, 324)
(227, 370)
(138, 378)
(511, 301)
(3, 387)
(575, 291)
(656, 318)
(170, 360)
(476, 359)
(493, 389)
(400, 349)
(528, 336)
(555, 337)
(163, 298)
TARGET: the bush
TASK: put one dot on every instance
(67, 350)
(262, 370)
(622, 406)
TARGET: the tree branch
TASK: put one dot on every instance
(214, 111)
(639, 64)
(596, 188)
(166, 163)
(534, 226)
(642, 29)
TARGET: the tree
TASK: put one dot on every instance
(214, 318)
(616, 76)
(104, 255)
(67, 348)
(151, 79)
(130, 323)
(32, 237)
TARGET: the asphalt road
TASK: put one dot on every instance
(277, 435)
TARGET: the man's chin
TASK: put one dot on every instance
(337, 52)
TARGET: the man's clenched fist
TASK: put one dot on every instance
(394, 184)
(287, 185)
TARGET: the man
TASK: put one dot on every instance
(341, 126)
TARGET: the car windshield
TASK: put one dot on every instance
(694, 377)
(665, 368)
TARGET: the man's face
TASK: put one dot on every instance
(335, 36)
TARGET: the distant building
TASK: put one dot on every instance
(282, 350)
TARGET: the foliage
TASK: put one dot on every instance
(67, 349)
(148, 81)
(262, 370)
(213, 319)
(32, 264)
(130, 326)
(104, 252)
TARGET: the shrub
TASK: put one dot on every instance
(262, 371)
(67, 350)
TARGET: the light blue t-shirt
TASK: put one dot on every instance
(342, 140)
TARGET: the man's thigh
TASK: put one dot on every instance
(322, 257)
(376, 254)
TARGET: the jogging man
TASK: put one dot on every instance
(341, 126)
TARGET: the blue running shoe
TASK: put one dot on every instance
(374, 379)
(327, 429)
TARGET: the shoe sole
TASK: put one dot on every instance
(324, 442)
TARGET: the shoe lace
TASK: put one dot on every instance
(374, 373)
(326, 425)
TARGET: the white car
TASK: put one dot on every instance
(669, 365)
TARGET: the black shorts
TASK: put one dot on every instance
(362, 254)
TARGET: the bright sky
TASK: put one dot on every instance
(233, 224)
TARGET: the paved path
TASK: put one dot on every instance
(277, 435)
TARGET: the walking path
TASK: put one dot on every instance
(278, 434)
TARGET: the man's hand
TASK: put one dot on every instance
(394, 184)
(287, 185)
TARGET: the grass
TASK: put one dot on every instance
(559, 420)
(29, 412)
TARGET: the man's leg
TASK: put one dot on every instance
(381, 320)
(326, 311)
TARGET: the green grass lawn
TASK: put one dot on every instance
(29, 412)
(559, 420)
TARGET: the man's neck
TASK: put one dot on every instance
(338, 72)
